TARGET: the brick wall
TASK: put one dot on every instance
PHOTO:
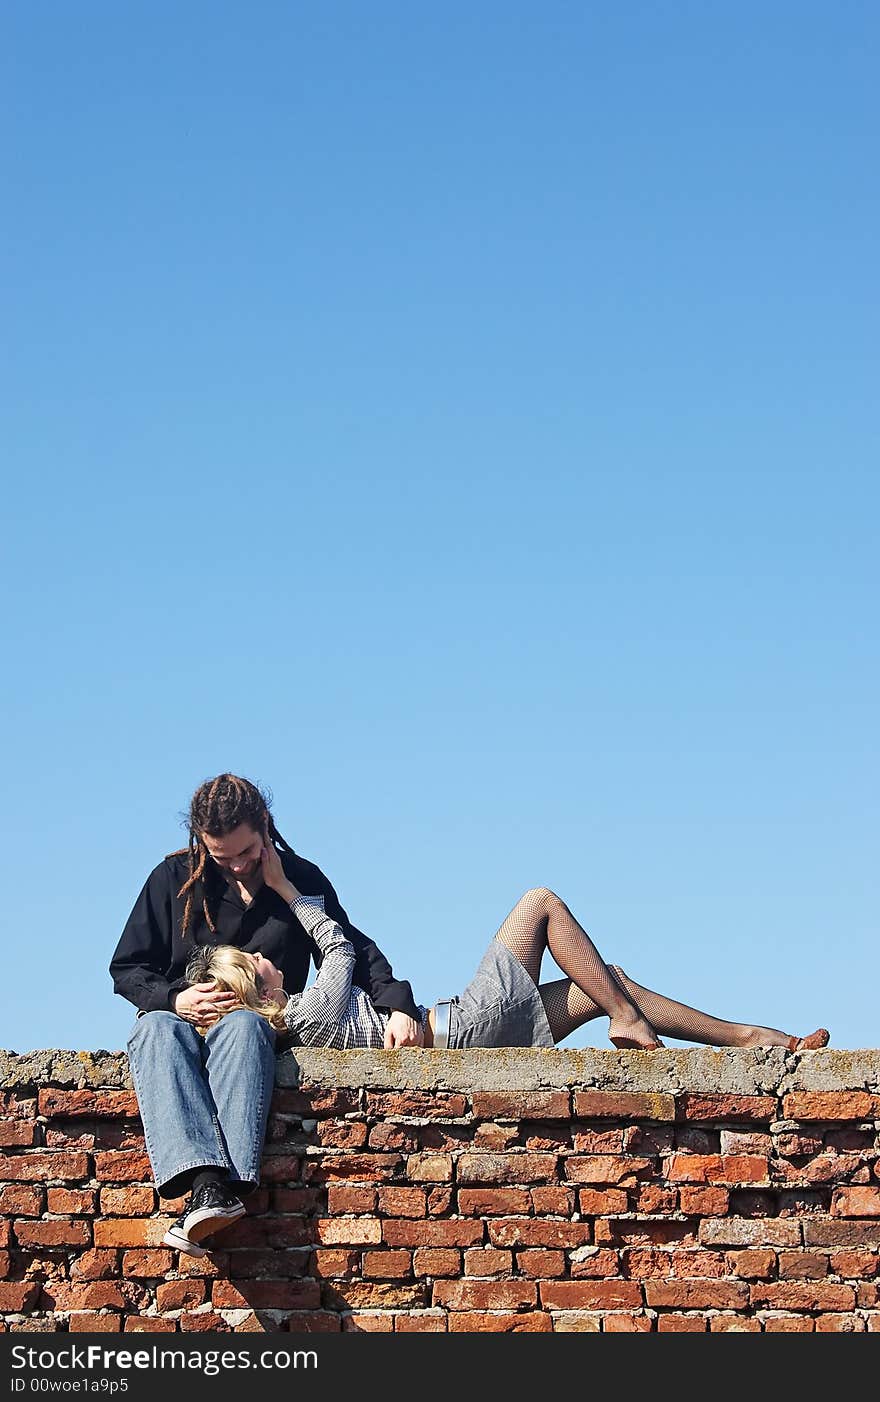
(485, 1191)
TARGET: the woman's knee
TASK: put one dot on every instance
(161, 1027)
(542, 899)
(242, 1025)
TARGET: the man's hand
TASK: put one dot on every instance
(403, 1031)
(203, 1004)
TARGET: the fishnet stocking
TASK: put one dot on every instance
(539, 921)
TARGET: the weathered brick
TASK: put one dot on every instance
(127, 1202)
(423, 1104)
(371, 1168)
(469, 1322)
(787, 1324)
(577, 1322)
(802, 1265)
(760, 1232)
(327, 1264)
(682, 1324)
(375, 1323)
(75, 1232)
(828, 1105)
(716, 1168)
(402, 1202)
(541, 1264)
(704, 1202)
(493, 1202)
(41, 1167)
(21, 1200)
(71, 1201)
(374, 1294)
(855, 1202)
(344, 1197)
(522, 1105)
(92, 1322)
(265, 1294)
(180, 1294)
(144, 1264)
(626, 1324)
(803, 1295)
(387, 1265)
(860, 1264)
(538, 1231)
(313, 1102)
(421, 1322)
(18, 1296)
(342, 1134)
(16, 1107)
(148, 1324)
(756, 1108)
(506, 1168)
(552, 1201)
(487, 1261)
(122, 1166)
(755, 1264)
(348, 1231)
(623, 1105)
(598, 1141)
(696, 1294)
(594, 1202)
(401, 1232)
(605, 1168)
(437, 1261)
(733, 1324)
(590, 1294)
(839, 1324)
(840, 1232)
(485, 1294)
(592, 1263)
(130, 1231)
(429, 1168)
(18, 1134)
(70, 1104)
(98, 1265)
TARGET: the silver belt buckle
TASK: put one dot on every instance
(441, 1022)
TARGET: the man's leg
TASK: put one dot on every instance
(240, 1065)
(167, 1060)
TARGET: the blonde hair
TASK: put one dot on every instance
(233, 972)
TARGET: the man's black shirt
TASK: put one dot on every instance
(148, 965)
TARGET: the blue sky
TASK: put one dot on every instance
(462, 420)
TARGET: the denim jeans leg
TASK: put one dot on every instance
(167, 1060)
(241, 1072)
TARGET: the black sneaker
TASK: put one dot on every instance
(209, 1209)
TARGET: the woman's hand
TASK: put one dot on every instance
(273, 871)
(203, 1004)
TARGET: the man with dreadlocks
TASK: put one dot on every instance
(204, 1074)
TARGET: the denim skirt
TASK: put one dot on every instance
(501, 1006)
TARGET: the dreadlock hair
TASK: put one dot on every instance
(218, 807)
(234, 972)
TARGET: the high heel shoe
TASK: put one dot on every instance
(820, 1038)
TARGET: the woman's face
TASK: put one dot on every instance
(269, 978)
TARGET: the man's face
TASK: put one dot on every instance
(238, 852)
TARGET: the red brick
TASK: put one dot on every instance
(855, 1202)
(148, 1324)
(287, 1168)
(484, 1294)
(421, 1322)
(210, 1323)
(314, 1103)
(647, 1263)
(623, 1105)
(553, 1201)
(40, 1167)
(732, 1169)
(18, 1296)
(590, 1294)
(348, 1231)
(180, 1294)
(802, 1265)
(265, 1294)
(130, 1231)
(522, 1105)
(147, 1265)
(387, 1135)
(828, 1105)
(576, 1322)
(476, 1323)
(13, 1108)
(493, 1202)
(127, 1202)
(368, 1324)
(424, 1104)
(681, 1324)
(838, 1232)
(696, 1294)
(122, 1166)
(342, 1197)
(72, 1103)
(626, 1324)
(400, 1232)
(651, 1198)
(734, 1324)
(595, 1203)
(342, 1134)
(89, 1322)
(387, 1265)
(799, 1295)
(605, 1168)
(69, 1233)
(754, 1264)
(754, 1108)
(437, 1261)
(97, 1265)
(704, 1202)
(541, 1265)
(598, 1141)
(787, 1324)
(487, 1261)
(429, 1168)
(840, 1324)
(374, 1295)
(506, 1169)
(370, 1168)
(17, 1133)
(861, 1264)
(327, 1264)
(92, 1295)
(538, 1231)
(402, 1202)
(21, 1200)
(593, 1263)
(762, 1231)
(72, 1201)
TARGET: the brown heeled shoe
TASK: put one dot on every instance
(820, 1038)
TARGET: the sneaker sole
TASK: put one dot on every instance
(181, 1242)
(202, 1224)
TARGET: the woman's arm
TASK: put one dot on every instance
(326, 1002)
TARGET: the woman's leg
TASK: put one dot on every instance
(568, 1009)
(539, 921)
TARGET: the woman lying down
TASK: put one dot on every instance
(504, 1005)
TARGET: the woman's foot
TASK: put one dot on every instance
(772, 1037)
(633, 1034)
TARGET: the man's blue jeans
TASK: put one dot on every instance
(204, 1101)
